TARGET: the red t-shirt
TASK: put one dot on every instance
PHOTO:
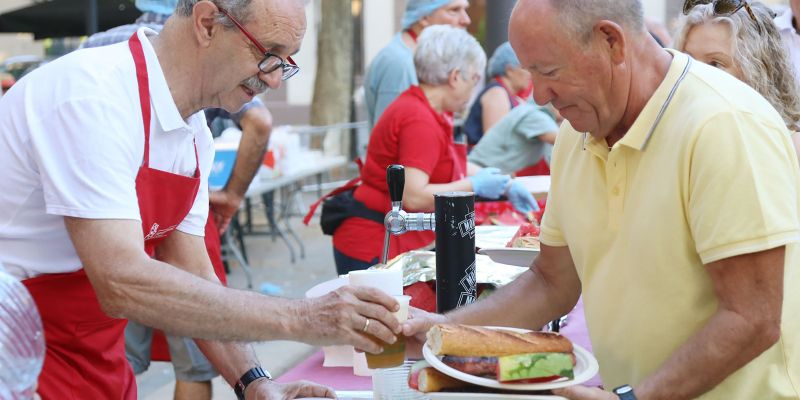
(412, 134)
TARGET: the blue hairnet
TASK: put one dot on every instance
(503, 56)
(165, 7)
(418, 9)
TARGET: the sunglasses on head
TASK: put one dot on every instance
(721, 7)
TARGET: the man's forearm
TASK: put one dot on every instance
(130, 284)
(231, 359)
(534, 300)
(159, 295)
(253, 145)
(725, 344)
(188, 253)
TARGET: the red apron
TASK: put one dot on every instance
(85, 356)
(214, 248)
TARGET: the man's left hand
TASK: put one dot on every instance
(224, 206)
(265, 389)
(585, 393)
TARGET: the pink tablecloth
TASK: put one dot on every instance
(342, 378)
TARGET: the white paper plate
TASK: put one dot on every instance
(535, 184)
(473, 396)
(586, 368)
(511, 255)
(491, 236)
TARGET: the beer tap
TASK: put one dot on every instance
(397, 221)
(456, 283)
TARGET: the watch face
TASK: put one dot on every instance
(623, 390)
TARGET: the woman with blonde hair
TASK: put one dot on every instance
(740, 38)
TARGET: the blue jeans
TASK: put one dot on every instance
(345, 264)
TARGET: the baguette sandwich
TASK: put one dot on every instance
(508, 356)
(426, 379)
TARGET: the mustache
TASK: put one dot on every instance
(255, 84)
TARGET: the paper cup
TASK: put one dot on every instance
(388, 281)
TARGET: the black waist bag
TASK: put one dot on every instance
(336, 209)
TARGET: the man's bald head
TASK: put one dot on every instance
(238, 8)
(582, 55)
(578, 17)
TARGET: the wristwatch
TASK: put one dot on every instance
(248, 377)
(625, 392)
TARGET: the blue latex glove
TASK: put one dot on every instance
(489, 183)
(521, 198)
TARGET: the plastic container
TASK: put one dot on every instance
(392, 384)
(22, 346)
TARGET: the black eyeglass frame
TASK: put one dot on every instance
(288, 67)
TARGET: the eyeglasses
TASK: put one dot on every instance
(722, 7)
(270, 62)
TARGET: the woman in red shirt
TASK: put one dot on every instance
(416, 131)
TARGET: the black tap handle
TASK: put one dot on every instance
(396, 179)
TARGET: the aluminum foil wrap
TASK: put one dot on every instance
(420, 266)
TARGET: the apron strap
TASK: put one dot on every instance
(512, 97)
(144, 91)
(350, 185)
(143, 82)
(412, 34)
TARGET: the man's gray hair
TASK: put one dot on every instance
(237, 8)
(442, 49)
(580, 16)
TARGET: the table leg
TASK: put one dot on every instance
(286, 207)
(269, 207)
(230, 245)
(237, 227)
(248, 211)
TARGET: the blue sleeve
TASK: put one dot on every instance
(398, 80)
(391, 73)
(535, 122)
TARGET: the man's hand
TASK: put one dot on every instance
(585, 393)
(341, 316)
(265, 389)
(224, 205)
(416, 327)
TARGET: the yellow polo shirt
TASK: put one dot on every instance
(706, 172)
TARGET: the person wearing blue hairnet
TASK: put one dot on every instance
(499, 96)
(391, 72)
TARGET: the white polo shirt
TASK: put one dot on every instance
(71, 144)
(791, 40)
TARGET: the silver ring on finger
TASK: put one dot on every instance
(366, 325)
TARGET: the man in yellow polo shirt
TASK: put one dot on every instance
(674, 210)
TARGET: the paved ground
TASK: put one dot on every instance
(270, 262)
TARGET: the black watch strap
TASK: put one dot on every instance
(248, 377)
(625, 392)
